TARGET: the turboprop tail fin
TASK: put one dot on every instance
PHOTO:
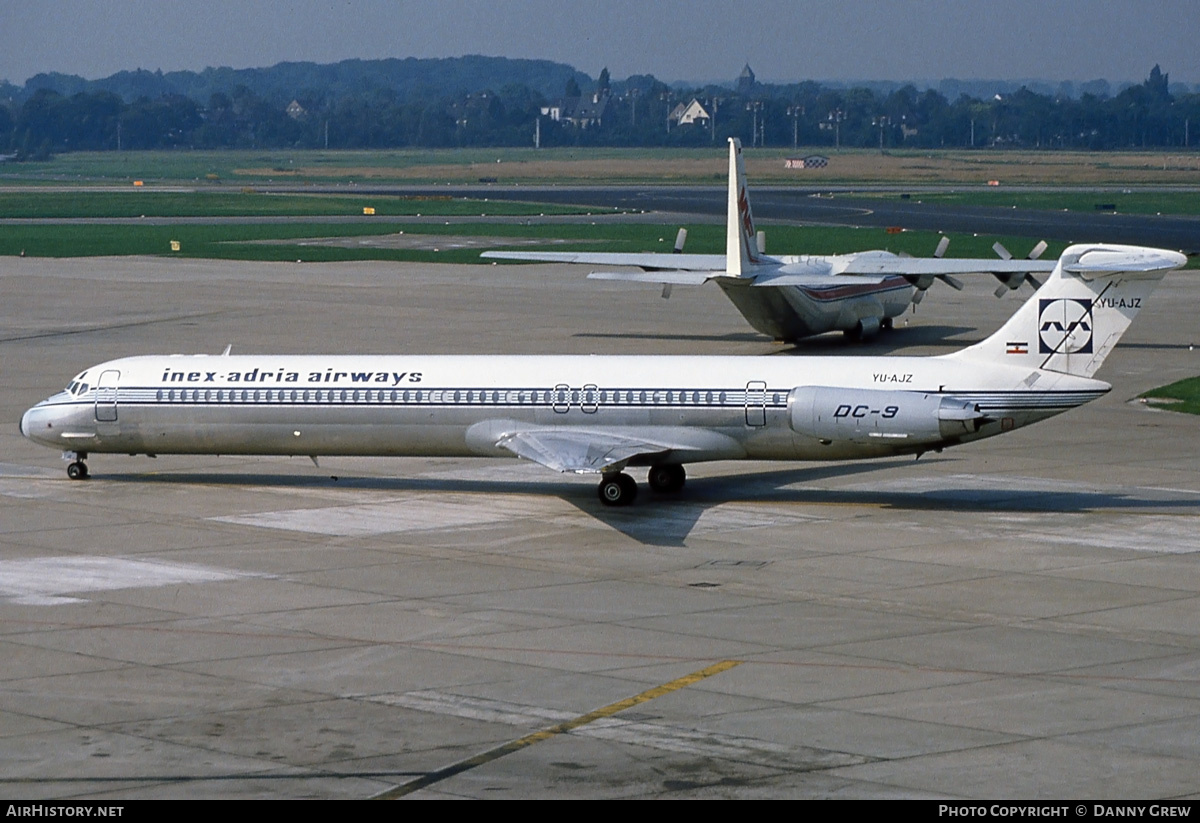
(1072, 323)
(741, 241)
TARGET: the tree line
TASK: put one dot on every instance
(480, 102)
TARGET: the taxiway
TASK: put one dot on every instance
(1017, 619)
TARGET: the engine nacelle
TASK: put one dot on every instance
(873, 416)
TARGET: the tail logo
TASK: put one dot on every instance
(744, 213)
(1065, 326)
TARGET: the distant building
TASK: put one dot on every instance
(590, 111)
(745, 81)
(687, 114)
(579, 111)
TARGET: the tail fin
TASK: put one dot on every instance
(1072, 323)
(741, 242)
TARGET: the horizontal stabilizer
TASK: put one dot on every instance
(1123, 259)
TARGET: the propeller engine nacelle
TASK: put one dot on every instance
(876, 416)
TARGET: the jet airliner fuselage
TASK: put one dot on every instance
(601, 414)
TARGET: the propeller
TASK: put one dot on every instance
(1012, 282)
(923, 283)
(939, 252)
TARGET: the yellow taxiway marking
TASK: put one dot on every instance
(561, 728)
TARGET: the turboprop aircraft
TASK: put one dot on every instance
(602, 414)
(791, 297)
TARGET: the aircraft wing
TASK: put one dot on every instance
(815, 281)
(650, 261)
(581, 452)
(673, 278)
(939, 266)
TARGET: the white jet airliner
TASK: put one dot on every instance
(795, 296)
(600, 414)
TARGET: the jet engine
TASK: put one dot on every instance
(875, 416)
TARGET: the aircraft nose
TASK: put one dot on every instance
(38, 425)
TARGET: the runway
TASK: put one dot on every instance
(673, 205)
(1015, 619)
(806, 205)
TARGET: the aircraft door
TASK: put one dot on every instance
(106, 396)
(756, 403)
(562, 398)
(589, 399)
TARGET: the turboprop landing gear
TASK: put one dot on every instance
(666, 478)
(864, 329)
(76, 469)
(617, 489)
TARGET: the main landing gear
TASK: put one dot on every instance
(76, 469)
(619, 489)
(666, 479)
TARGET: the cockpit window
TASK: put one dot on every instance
(76, 388)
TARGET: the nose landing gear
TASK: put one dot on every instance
(76, 469)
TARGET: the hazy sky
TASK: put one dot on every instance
(700, 40)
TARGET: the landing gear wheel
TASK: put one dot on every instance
(77, 470)
(666, 478)
(885, 323)
(617, 490)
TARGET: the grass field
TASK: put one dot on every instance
(1183, 396)
(591, 165)
(274, 241)
(149, 203)
(1118, 201)
(221, 184)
